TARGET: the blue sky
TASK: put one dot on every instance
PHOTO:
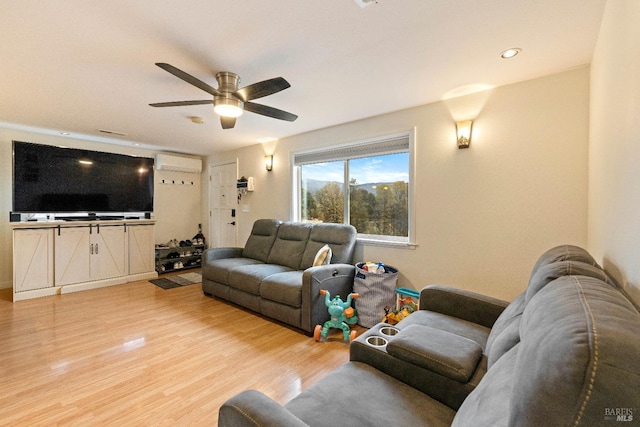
(389, 168)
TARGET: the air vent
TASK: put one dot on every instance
(167, 162)
(112, 132)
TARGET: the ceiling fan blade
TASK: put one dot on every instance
(188, 78)
(227, 122)
(263, 88)
(269, 111)
(181, 103)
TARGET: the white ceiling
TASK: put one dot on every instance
(82, 65)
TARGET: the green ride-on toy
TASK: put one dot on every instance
(342, 315)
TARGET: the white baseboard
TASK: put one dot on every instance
(77, 287)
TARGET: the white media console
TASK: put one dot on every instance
(57, 257)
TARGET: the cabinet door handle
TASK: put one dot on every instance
(91, 249)
(96, 249)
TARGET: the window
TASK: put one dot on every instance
(365, 184)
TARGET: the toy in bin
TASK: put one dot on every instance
(342, 315)
(406, 303)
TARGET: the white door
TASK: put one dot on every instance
(223, 204)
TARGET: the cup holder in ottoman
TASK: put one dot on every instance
(377, 341)
(389, 331)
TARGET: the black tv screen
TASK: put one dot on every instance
(50, 179)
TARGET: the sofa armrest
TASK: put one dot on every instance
(466, 305)
(254, 409)
(335, 278)
(219, 253)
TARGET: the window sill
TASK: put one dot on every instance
(368, 241)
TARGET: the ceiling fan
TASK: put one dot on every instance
(228, 101)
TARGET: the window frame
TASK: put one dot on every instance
(326, 153)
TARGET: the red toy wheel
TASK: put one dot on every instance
(317, 332)
(352, 336)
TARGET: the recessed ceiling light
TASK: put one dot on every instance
(365, 3)
(510, 53)
(65, 133)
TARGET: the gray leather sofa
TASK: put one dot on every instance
(274, 274)
(564, 352)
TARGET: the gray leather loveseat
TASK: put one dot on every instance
(566, 352)
(274, 274)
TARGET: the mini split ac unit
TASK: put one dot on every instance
(167, 162)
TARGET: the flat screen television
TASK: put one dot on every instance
(50, 179)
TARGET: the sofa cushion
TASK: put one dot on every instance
(439, 351)
(505, 333)
(564, 253)
(549, 272)
(219, 270)
(578, 355)
(290, 244)
(285, 288)
(248, 278)
(488, 404)
(341, 239)
(577, 358)
(261, 239)
(357, 394)
(443, 322)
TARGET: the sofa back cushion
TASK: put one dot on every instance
(578, 358)
(290, 244)
(341, 238)
(259, 243)
(564, 253)
(506, 331)
(549, 272)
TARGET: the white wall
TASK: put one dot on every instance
(614, 174)
(483, 215)
(177, 208)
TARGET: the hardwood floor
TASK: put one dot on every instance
(139, 355)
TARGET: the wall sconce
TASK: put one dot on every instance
(268, 163)
(463, 131)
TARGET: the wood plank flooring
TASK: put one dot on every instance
(138, 355)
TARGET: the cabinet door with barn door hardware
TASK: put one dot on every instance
(141, 255)
(109, 258)
(32, 259)
(89, 253)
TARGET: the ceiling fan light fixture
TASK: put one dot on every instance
(227, 107)
(229, 102)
